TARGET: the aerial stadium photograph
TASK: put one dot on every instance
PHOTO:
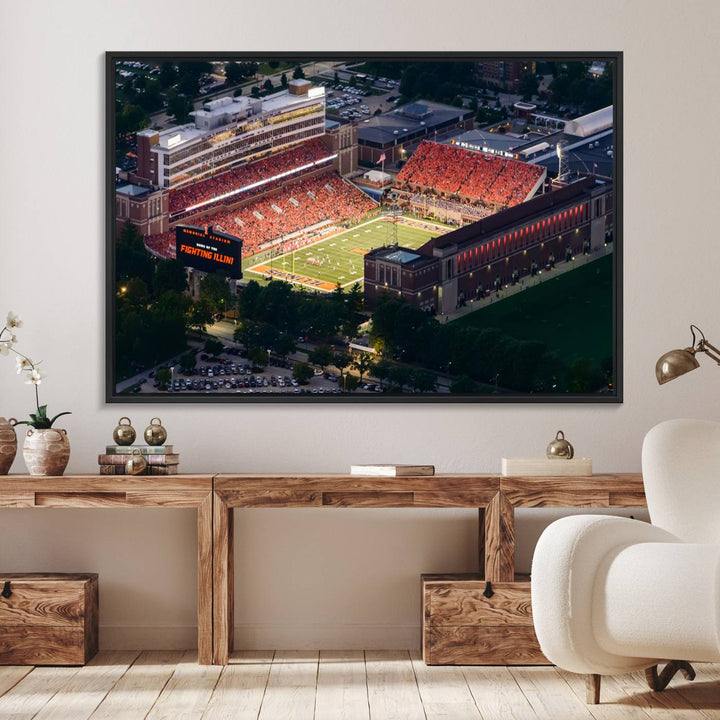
(364, 228)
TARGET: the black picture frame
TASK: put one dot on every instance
(611, 388)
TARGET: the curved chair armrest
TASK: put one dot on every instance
(565, 563)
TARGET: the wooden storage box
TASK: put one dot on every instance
(461, 626)
(48, 618)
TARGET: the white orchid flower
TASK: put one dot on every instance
(23, 364)
(13, 320)
(35, 377)
(5, 346)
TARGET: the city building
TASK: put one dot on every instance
(145, 208)
(386, 138)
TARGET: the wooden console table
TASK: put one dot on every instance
(495, 497)
(126, 491)
(215, 498)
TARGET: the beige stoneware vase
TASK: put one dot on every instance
(8, 444)
(47, 451)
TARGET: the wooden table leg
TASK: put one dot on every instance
(205, 580)
(481, 541)
(499, 546)
(223, 581)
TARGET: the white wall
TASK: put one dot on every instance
(330, 578)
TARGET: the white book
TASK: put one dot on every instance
(547, 467)
(392, 470)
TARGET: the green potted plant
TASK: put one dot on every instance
(46, 449)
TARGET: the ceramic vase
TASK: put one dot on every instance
(8, 444)
(47, 451)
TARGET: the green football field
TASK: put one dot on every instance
(337, 259)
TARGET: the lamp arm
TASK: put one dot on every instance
(710, 350)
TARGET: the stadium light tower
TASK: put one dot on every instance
(563, 161)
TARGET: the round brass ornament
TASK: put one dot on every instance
(560, 448)
(136, 463)
(124, 433)
(155, 433)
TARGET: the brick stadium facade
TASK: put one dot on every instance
(495, 251)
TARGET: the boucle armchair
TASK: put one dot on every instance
(614, 595)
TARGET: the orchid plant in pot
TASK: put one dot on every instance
(46, 449)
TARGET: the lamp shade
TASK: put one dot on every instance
(675, 363)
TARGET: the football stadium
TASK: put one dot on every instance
(277, 176)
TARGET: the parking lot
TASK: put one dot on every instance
(354, 103)
(233, 374)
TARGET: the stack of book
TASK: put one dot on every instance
(160, 459)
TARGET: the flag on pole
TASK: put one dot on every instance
(381, 159)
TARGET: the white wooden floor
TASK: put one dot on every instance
(370, 685)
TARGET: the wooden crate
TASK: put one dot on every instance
(48, 618)
(461, 626)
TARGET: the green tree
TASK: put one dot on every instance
(284, 81)
(131, 258)
(213, 347)
(258, 356)
(423, 380)
(169, 275)
(321, 356)
(135, 292)
(347, 383)
(341, 360)
(528, 86)
(268, 85)
(187, 361)
(233, 73)
(168, 75)
(215, 290)
(464, 385)
(353, 81)
(336, 78)
(255, 91)
(163, 377)
(399, 377)
(179, 107)
(284, 344)
(200, 315)
(302, 372)
(363, 363)
(130, 119)
(382, 371)
(298, 73)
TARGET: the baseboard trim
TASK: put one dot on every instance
(263, 636)
(148, 637)
(327, 637)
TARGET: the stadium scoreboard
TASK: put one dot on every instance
(209, 250)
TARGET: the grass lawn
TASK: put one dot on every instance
(338, 259)
(571, 313)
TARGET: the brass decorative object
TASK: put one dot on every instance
(155, 433)
(124, 433)
(136, 463)
(678, 362)
(8, 444)
(560, 448)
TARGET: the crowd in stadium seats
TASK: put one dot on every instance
(300, 204)
(244, 175)
(430, 202)
(473, 176)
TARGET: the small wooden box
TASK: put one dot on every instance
(48, 618)
(461, 626)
